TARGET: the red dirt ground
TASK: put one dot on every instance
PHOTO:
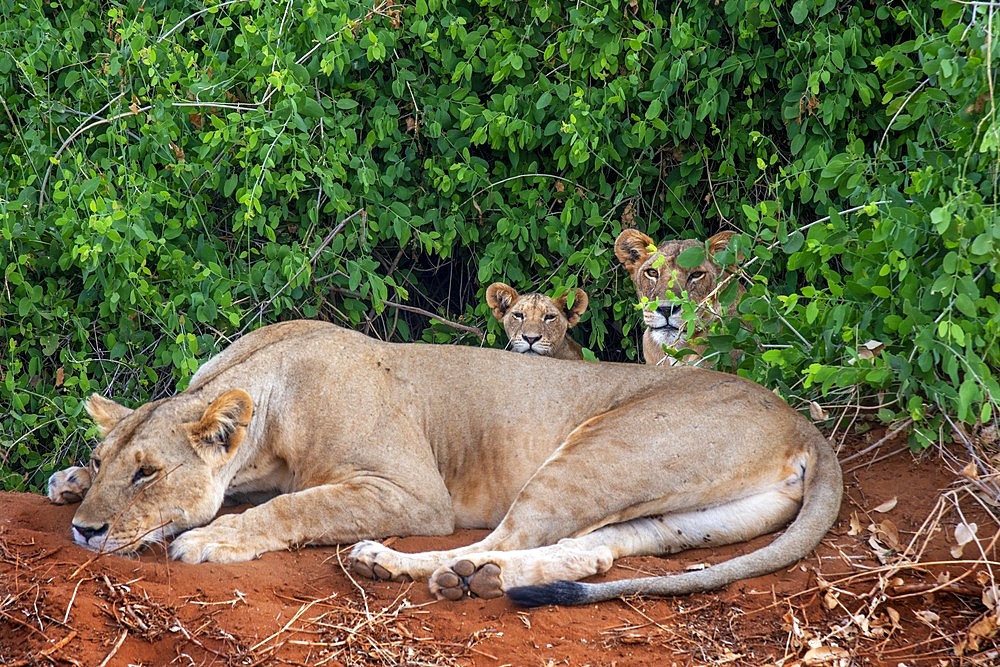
(61, 605)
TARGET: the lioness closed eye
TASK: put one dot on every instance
(536, 323)
(574, 465)
(659, 279)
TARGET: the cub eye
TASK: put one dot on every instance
(696, 275)
(517, 315)
(549, 318)
(652, 274)
(95, 464)
(145, 472)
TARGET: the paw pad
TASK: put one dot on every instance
(464, 578)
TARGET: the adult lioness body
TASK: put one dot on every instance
(367, 439)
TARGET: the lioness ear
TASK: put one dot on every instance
(719, 241)
(105, 412)
(580, 301)
(500, 297)
(631, 248)
(222, 427)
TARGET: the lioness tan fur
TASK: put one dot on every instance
(536, 323)
(659, 279)
(574, 465)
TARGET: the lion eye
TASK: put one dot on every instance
(95, 464)
(696, 275)
(549, 318)
(517, 316)
(145, 472)
(652, 274)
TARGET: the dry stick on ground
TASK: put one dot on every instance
(877, 443)
(114, 649)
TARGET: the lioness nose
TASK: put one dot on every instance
(531, 340)
(89, 532)
(669, 310)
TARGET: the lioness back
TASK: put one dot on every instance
(538, 324)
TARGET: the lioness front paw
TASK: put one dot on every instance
(463, 577)
(69, 485)
(364, 561)
(218, 542)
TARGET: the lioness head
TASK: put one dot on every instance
(156, 471)
(535, 323)
(659, 278)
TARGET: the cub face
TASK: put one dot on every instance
(535, 323)
(157, 469)
(659, 278)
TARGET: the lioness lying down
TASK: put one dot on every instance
(573, 464)
(536, 323)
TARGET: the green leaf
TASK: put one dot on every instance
(691, 257)
(800, 10)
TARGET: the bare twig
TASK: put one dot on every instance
(76, 133)
(420, 311)
(114, 649)
(323, 244)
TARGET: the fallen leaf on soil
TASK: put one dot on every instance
(983, 629)
(855, 528)
(887, 505)
(964, 533)
(927, 617)
(826, 655)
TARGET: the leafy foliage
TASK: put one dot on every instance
(175, 175)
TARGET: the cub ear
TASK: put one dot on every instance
(222, 427)
(500, 297)
(719, 241)
(631, 249)
(105, 412)
(580, 301)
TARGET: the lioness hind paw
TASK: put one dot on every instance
(463, 578)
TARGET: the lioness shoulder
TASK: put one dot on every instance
(536, 323)
(660, 280)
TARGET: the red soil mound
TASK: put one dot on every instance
(59, 604)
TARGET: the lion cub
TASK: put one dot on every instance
(538, 324)
(658, 278)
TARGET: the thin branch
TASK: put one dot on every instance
(195, 15)
(76, 133)
(326, 241)
(899, 111)
(514, 178)
(420, 311)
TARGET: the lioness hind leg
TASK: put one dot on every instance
(489, 574)
(69, 485)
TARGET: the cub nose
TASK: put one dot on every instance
(531, 340)
(88, 533)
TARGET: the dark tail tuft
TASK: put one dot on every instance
(556, 592)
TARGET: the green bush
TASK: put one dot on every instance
(175, 175)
